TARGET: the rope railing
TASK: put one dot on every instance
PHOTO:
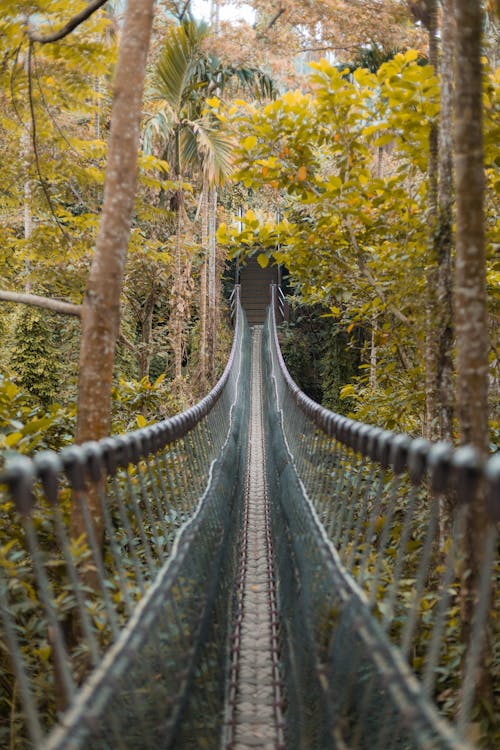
(101, 634)
(371, 533)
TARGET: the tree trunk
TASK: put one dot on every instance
(444, 237)
(471, 304)
(431, 388)
(26, 150)
(373, 353)
(470, 297)
(176, 303)
(203, 284)
(145, 353)
(101, 306)
(97, 109)
(212, 282)
(176, 300)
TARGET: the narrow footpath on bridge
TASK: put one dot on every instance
(254, 705)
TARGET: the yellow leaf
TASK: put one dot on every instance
(350, 327)
(13, 438)
(262, 260)
(249, 142)
(302, 173)
(213, 102)
(347, 391)
(43, 652)
(141, 421)
(411, 54)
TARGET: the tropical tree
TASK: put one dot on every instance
(192, 140)
(355, 233)
(101, 306)
(188, 139)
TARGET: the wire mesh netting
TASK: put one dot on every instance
(121, 563)
(371, 551)
(109, 637)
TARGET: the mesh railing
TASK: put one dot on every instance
(114, 625)
(370, 534)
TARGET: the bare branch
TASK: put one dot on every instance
(331, 48)
(183, 11)
(35, 145)
(275, 17)
(70, 26)
(55, 305)
(125, 342)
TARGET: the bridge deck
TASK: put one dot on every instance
(255, 686)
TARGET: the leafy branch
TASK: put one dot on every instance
(69, 27)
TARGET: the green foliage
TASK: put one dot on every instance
(137, 403)
(34, 360)
(26, 427)
(351, 158)
(321, 358)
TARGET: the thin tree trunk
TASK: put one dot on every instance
(212, 283)
(97, 109)
(431, 355)
(444, 237)
(101, 306)
(145, 353)
(26, 150)
(203, 283)
(373, 354)
(177, 302)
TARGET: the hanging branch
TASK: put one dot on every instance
(47, 109)
(275, 18)
(35, 146)
(12, 90)
(69, 27)
(183, 11)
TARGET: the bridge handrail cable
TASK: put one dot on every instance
(395, 511)
(64, 600)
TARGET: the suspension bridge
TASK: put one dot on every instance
(263, 574)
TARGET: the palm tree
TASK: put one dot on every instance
(190, 140)
(183, 78)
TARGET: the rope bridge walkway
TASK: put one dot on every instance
(256, 572)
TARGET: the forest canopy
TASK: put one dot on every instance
(318, 123)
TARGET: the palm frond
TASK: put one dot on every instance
(174, 73)
(160, 126)
(215, 149)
